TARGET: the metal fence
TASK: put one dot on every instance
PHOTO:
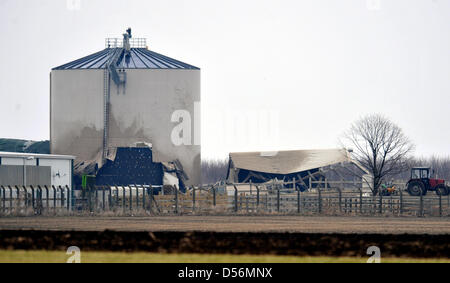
(34, 200)
(118, 42)
(321, 198)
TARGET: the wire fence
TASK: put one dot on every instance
(322, 198)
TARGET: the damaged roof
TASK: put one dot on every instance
(140, 58)
(288, 162)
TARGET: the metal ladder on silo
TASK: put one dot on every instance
(106, 104)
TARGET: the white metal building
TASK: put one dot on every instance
(28, 169)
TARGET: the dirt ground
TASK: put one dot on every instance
(297, 224)
(290, 244)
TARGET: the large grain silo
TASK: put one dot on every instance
(124, 97)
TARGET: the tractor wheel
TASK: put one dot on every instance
(416, 188)
(441, 190)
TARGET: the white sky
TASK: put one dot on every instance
(314, 66)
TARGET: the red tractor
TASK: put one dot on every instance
(421, 182)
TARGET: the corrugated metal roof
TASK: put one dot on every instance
(140, 58)
(288, 162)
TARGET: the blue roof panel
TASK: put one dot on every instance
(141, 58)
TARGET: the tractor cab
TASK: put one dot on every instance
(420, 173)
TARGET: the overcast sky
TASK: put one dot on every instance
(305, 68)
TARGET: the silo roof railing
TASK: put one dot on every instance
(118, 43)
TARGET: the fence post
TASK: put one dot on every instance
(38, 200)
(104, 198)
(2, 191)
(257, 197)
(26, 196)
(3, 199)
(401, 201)
(113, 201)
(116, 201)
(360, 201)
(266, 202)
(278, 200)
(137, 196)
(380, 208)
(299, 201)
(10, 198)
(123, 200)
(421, 205)
(47, 198)
(32, 196)
(131, 198)
(68, 198)
(144, 192)
(235, 199)
(176, 200)
(150, 198)
(214, 196)
(18, 196)
(55, 192)
(320, 199)
(246, 204)
(62, 196)
(96, 198)
(440, 205)
(41, 197)
(88, 194)
(340, 199)
(193, 199)
(110, 197)
(448, 204)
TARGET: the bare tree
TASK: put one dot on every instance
(214, 170)
(380, 146)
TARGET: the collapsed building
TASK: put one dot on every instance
(113, 110)
(301, 165)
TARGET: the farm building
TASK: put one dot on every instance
(26, 169)
(261, 167)
(125, 97)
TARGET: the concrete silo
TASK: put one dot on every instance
(122, 97)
